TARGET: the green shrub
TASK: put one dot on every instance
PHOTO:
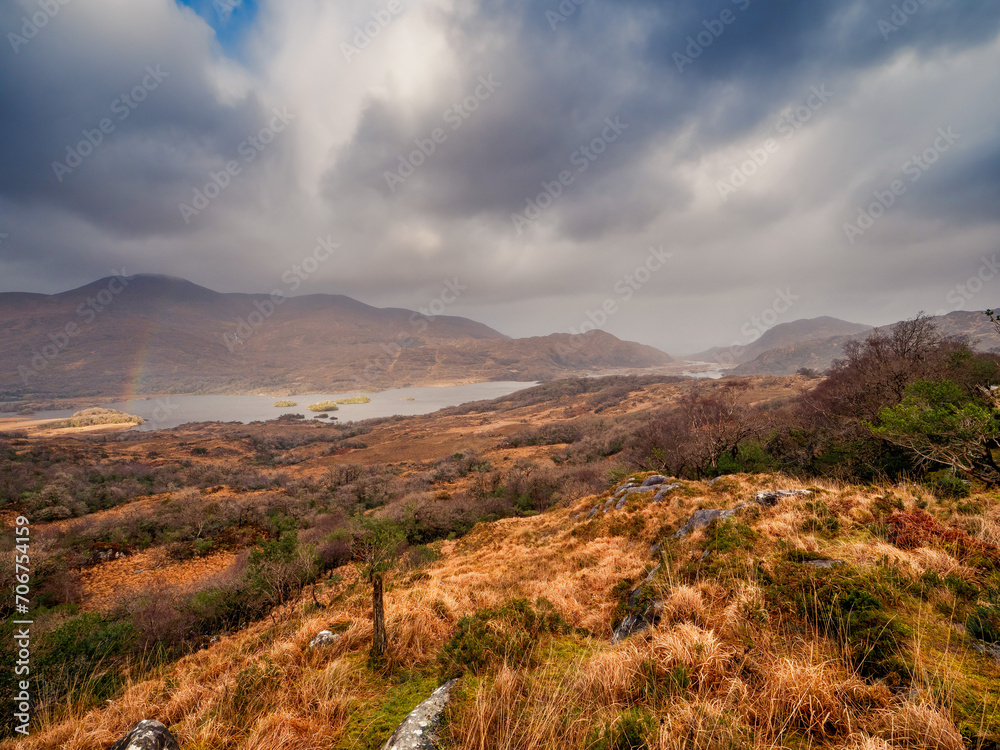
(751, 458)
(984, 623)
(285, 404)
(946, 484)
(506, 634)
(631, 731)
(849, 606)
(728, 536)
(85, 655)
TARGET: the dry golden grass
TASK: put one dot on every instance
(720, 670)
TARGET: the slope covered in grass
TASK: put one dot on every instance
(837, 619)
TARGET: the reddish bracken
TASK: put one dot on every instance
(915, 528)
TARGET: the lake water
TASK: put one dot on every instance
(709, 370)
(171, 411)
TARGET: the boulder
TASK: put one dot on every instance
(771, 497)
(147, 735)
(418, 731)
(703, 518)
(323, 638)
(661, 494)
(654, 480)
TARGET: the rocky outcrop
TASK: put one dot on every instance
(702, 518)
(323, 638)
(771, 497)
(418, 731)
(643, 610)
(661, 494)
(654, 480)
(147, 735)
(656, 484)
(104, 552)
(767, 498)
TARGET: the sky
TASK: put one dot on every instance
(680, 173)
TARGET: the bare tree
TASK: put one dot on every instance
(376, 547)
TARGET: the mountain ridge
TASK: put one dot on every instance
(784, 334)
(150, 334)
(820, 354)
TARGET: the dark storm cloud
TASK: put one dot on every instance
(519, 94)
(622, 60)
(142, 71)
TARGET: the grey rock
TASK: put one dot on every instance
(637, 621)
(608, 504)
(631, 625)
(661, 494)
(713, 481)
(147, 735)
(418, 731)
(771, 497)
(106, 555)
(702, 518)
(323, 638)
(988, 649)
(628, 492)
(654, 480)
(593, 511)
(825, 563)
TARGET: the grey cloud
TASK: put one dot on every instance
(452, 217)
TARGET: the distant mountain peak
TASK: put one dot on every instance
(792, 333)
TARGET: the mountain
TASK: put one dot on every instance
(819, 354)
(159, 334)
(782, 335)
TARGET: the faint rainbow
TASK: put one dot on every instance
(140, 361)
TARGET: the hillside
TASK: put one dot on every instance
(154, 334)
(833, 618)
(782, 335)
(819, 354)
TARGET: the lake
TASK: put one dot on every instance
(170, 411)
